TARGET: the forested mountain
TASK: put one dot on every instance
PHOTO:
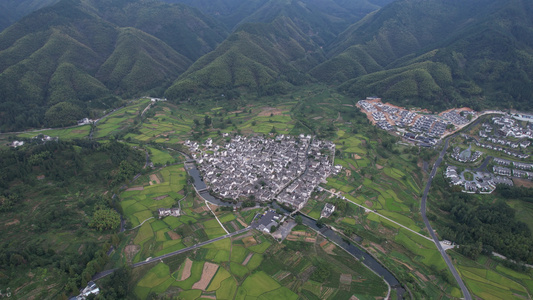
(266, 57)
(272, 49)
(438, 53)
(235, 12)
(12, 10)
(76, 54)
(86, 54)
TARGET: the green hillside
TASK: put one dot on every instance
(438, 53)
(72, 53)
(266, 57)
(12, 10)
(322, 13)
(430, 53)
(183, 28)
(272, 49)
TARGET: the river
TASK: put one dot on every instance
(359, 253)
(200, 186)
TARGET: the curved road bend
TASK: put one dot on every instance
(159, 258)
(466, 293)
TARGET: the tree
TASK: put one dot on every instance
(117, 286)
(207, 121)
(298, 219)
(104, 219)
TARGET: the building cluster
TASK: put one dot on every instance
(516, 164)
(165, 212)
(466, 155)
(86, 121)
(482, 182)
(498, 136)
(421, 128)
(520, 169)
(269, 220)
(510, 128)
(285, 168)
(40, 138)
(91, 290)
(430, 126)
(458, 117)
(502, 149)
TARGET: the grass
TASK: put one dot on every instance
(145, 232)
(227, 218)
(426, 250)
(160, 157)
(77, 132)
(224, 244)
(260, 248)
(170, 246)
(258, 284)
(254, 262)
(196, 274)
(157, 276)
(238, 254)
(497, 282)
(350, 221)
(190, 295)
(281, 293)
(238, 269)
(227, 289)
(221, 275)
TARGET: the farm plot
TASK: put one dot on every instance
(158, 237)
(425, 250)
(64, 134)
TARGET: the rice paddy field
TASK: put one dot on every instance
(153, 236)
(377, 173)
(120, 120)
(487, 278)
(76, 132)
(252, 266)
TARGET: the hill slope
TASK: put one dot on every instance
(12, 10)
(442, 52)
(272, 49)
(72, 52)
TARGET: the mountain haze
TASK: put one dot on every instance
(12, 10)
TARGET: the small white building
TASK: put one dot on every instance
(327, 210)
(165, 212)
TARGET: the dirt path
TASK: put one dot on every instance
(138, 188)
(209, 271)
(247, 259)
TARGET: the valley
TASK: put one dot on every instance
(372, 176)
(265, 149)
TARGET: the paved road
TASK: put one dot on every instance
(159, 258)
(484, 165)
(466, 293)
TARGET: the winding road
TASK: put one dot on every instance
(466, 293)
